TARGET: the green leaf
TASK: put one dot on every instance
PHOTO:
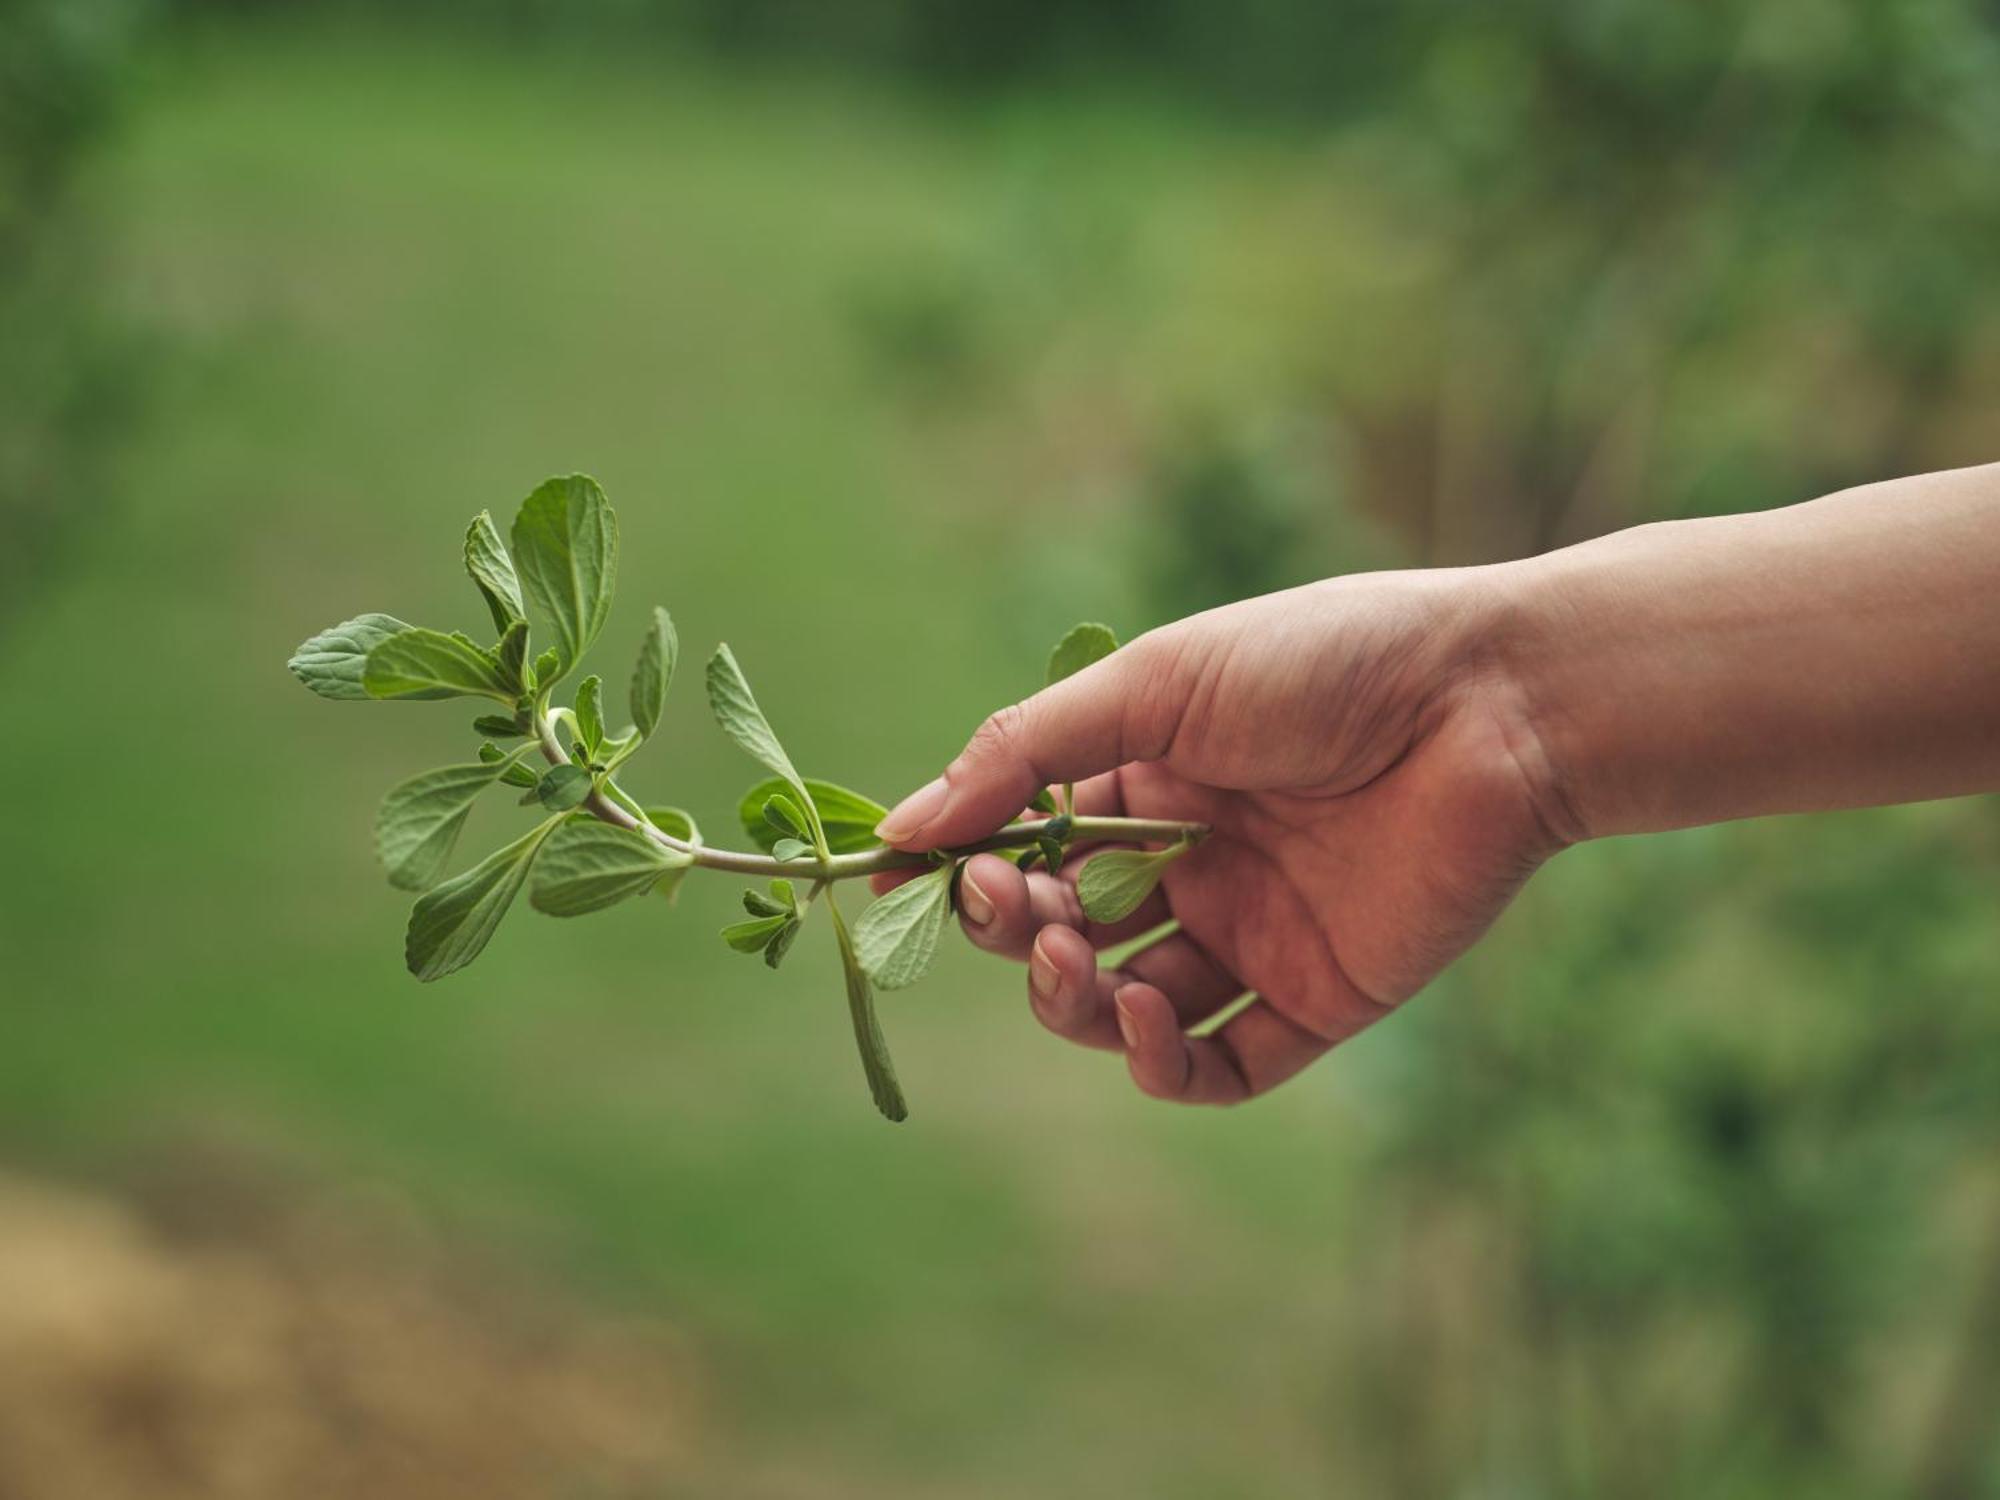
(590, 716)
(566, 547)
(898, 935)
(751, 936)
(512, 654)
(791, 849)
(760, 905)
(589, 865)
(783, 893)
(562, 787)
(655, 671)
(781, 943)
(868, 1039)
(420, 819)
(499, 727)
(546, 664)
(1083, 645)
(492, 569)
(511, 771)
(1112, 884)
(1044, 802)
(848, 817)
(678, 822)
(782, 813)
(332, 663)
(1052, 853)
(735, 709)
(452, 922)
(418, 663)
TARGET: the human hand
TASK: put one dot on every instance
(1377, 795)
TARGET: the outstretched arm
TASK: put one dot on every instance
(1834, 654)
(1386, 758)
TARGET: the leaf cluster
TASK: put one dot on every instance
(551, 583)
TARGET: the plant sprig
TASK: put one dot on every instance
(596, 845)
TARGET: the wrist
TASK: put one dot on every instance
(1587, 649)
(1500, 648)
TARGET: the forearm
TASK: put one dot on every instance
(1840, 653)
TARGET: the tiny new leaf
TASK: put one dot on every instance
(452, 922)
(512, 654)
(782, 813)
(419, 663)
(898, 935)
(332, 662)
(420, 820)
(1112, 884)
(589, 716)
(566, 548)
(654, 672)
(790, 849)
(781, 943)
(500, 727)
(588, 865)
(848, 817)
(1083, 645)
(563, 787)
(676, 822)
(492, 569)
(753, 935)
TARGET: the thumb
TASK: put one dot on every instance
(1123, 708)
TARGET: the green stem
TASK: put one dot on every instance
(1017, 835)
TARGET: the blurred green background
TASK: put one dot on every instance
(902, 335)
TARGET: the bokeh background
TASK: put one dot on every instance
(903, 334)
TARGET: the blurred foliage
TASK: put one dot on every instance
(68, 378)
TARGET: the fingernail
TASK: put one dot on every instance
(1127, 1027)
(909, 816)
(974, 902)
(1042, 975)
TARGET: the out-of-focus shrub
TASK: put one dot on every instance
(66, 370)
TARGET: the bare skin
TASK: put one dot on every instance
(1386, 759)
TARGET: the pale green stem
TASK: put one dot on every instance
(1018, 835)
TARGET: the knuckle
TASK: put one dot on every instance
(998, 737)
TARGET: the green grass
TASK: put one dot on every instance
(397, 284)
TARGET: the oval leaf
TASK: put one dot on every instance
(1112, 884)
(332, 663)
(589, 865)
(563, 787)
(655, 671)
(897, 937)
(418, 663)
(492, 569)
(420, 820)
(753, 935)
(454, 921)
(1083, 645)
(782, 813)
(566, 548)
(848, 817)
